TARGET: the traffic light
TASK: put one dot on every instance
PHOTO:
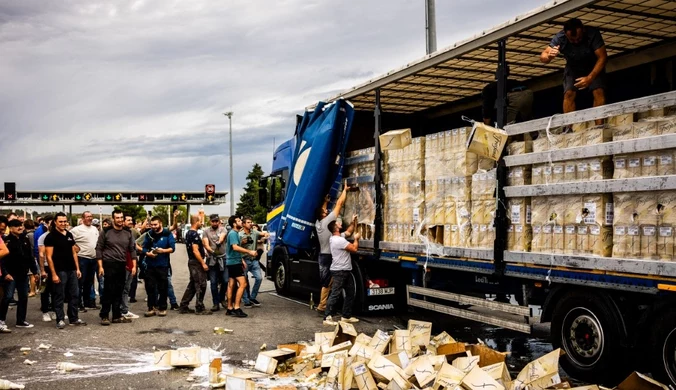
(45, 197)
(184, 197)
(54, 198)
(77, 198)
(174, 198)
(118, 197)
(209, 198)
(108, 198)
(10, 191)
(87, 196)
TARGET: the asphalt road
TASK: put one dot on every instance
(120, 356)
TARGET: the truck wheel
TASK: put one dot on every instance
(588, 329)
(358, 279)
(664, 352)
(281, 275)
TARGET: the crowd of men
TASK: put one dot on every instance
(63, 265)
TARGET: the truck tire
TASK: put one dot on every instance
(280, 261)
(589, 329)
(664, 348)
(359, 283)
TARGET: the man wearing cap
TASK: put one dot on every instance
(86, 235)
(586, 57)
(214, 244)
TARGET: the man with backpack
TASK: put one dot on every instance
(157, 245)
(111, 252)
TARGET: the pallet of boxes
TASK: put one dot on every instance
(629, 224)
(405, 359)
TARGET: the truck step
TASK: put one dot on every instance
(416, 297)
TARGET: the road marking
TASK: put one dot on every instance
(289, 299)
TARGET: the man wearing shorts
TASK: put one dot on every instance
(586, 57)
(236, 266)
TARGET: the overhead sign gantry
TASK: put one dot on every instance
(38, 198)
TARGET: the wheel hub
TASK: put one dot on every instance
(583, 337)
(281, 276)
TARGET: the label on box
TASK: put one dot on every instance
(649, 161)
(537, 171)
(610, 213)
(666, 159)
(582, 230)
(570, 229)
(483, 228)
(360, 369)
(620, 163)
(634, 163)
(632, 230)
(570, 168)
(649, 230)
(558, 169)
(519, 228)
(528, 215)
(454, 228)
(547, 171)
(595, 230)
(516, 214)
(510, 229)
(547, 229)
(537, 229)
(416, 215)
(591, 215)
(595, 166)
(558, 229)
(582, 167)
(620, 230)
(666, 231)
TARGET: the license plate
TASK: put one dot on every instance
(381, 291)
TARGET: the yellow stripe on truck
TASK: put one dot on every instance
(666, 287)
(275, 212)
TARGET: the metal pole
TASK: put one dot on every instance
(430, 26)
(378, 223)
(501, 221)
(232, 192)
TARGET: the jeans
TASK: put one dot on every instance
(342, 280)
(197, 287)
(134, 285)
(20, 284)
(46, 298)
(325, 269)
(88, 268)
(218, 277)
(170, 291)
(157, 281)
(92, 293)
(67, 287)
(115, 273)
(124, 307)
(254, 267)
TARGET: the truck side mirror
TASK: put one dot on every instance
(273, 192)
(263, 197)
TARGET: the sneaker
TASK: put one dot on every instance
(24, 324)
(186, 310)
(224, 304)
(150, 313)
(216, 308)
(130, 315)
(239, 313)
(78, 322)
(174, 306)
(255, 302)
(351, 320)
(52, 315)
(46, 317)
(229, 312)
(162, 313)
(121, 320)
(61, 325)
(4, 328)
(105, 321)
(248, 305)
(82, 309)
(328, 320)
(203, 312)
(94, 307)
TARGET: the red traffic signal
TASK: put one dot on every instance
(210, 189)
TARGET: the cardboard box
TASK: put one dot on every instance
(337, 347)
(242, 381)
(336, 374)
(452, 349)
(424, 371)
(363, 377)
(398, 383)
(478, 379)
(487, 356)
(448, 377)
(186, 357)
(361, 352)
(420, 331)
(466, 364)
(499, 372)
(384, 369)
(401, 341)
(380, 341)
(363, 338)
(299, 348)
(327, 358)
(637, 381)
(400, 359)
(539, 372)
(267, 361)
(395, 139)
(486, 141)
(325, 338)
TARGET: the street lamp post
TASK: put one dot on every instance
(232, 192)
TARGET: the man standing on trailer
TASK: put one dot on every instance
(586, 57)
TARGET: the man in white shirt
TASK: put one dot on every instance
(86, 235)
(324, 218)
(341, 272)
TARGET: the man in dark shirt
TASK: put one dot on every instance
(157, 245)
(198, 270)
(586, 57)
(62, 258)
(15, 267)
(111, 253)
(519, 102)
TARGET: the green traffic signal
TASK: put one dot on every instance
(108, 197)
(175, 197)
(45, 197)
(78, 197)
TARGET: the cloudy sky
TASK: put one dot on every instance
(130, 94)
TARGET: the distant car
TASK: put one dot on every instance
(186, 229)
